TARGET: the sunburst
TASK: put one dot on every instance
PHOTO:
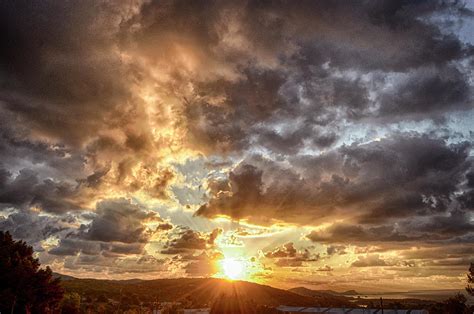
(233, 269)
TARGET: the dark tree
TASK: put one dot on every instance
(470, 280)
(71, 303)
(456, 304)
(102, 299)
(24, 287)
(233, 304)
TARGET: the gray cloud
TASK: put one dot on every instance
(342, 233)
(26, 189)
(120, 220)
(287, 250)
(351, 181)
(34, 228)
(428, 229)
(288, 256)
(336, 249)
(95, 96)
(427, 90)
(188, 240)
(369, 261)
(117, 228)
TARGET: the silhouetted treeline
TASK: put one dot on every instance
(24, 287)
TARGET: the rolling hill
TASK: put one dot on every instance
(194, 291)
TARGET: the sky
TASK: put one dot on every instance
(326, 144)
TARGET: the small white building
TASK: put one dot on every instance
(327, 310)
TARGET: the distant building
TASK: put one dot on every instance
(326, 310)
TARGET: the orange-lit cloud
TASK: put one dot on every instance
(317, 143)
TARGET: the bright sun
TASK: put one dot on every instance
(233, 269)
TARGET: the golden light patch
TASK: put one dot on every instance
(233, 269)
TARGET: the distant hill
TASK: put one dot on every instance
(63, 277)
(196, 291)
(203, 292)
(349, 292)
(330, 297)
(309, 292)
(408, 300)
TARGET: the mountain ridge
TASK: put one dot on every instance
(195, 291)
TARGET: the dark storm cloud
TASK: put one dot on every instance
(429, 229)
(456, 223)
(254, 65)
(351, 181)
(94, 95)
(122, 221)
(446, 255)
(59, 68)
(74, 71)
(427, 90)
(114, 265)
(117, 228)
(33, 228)
(262, 74)
(349, 233)
(288, 256)
(466, 199)
(73, 246)
(189, 240)
(16, 149)
(445, 252)
(67, 103)
(26, 190)
(377, 37)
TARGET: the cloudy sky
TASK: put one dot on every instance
(317, 143)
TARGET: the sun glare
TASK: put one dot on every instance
(233, 269)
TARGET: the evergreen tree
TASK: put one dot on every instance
(455, 305)
(24, 287)
(470, 280)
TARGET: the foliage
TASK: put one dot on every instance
(102, 299)
(24, 287)
(470, 280)
(233, 304)
(172, 309)
(454, 305)
(71, 303)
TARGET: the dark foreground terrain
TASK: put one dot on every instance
(195, 292)
(130, 296)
